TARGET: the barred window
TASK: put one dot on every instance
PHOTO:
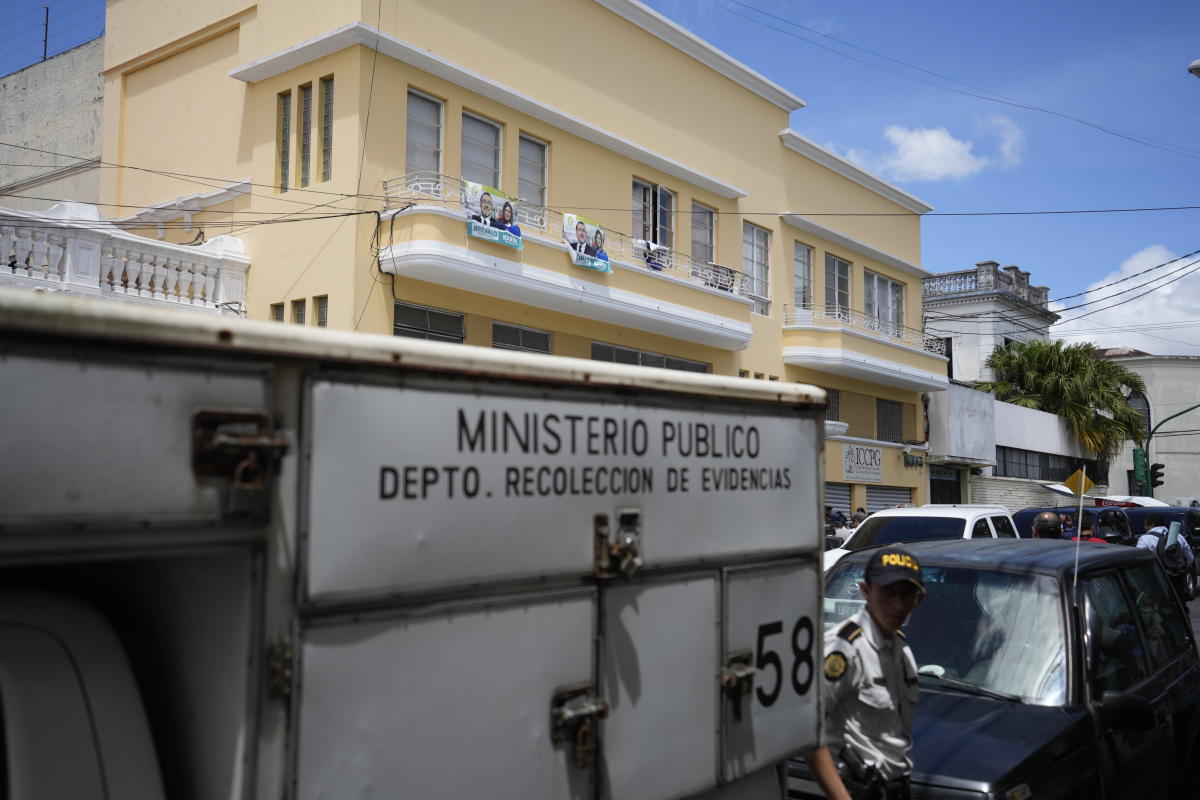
(626, 355)
(277, 312)
(306, 109)
(887, 420)
(422, 322)
(833, 404)
(326, 128)
(514, 337)
(298, 312)
(284, 149)
(321, 304)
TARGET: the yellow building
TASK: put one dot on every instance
(712, 213)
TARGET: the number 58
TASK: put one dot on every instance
(769, 659)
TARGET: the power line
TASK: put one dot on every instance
(994, 97)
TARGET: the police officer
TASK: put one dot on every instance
(869, 688)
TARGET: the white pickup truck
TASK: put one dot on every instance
(249, 560)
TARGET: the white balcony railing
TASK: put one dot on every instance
(987, 276)
(68, 248)
(822, 316)
(546, 222)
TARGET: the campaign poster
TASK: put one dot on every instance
(491, 215)
(586, 240)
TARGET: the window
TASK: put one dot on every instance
(480, 150)
(887, 420)
(1138, 402)
(420, 322)
(743, 373)
(756, 250)
(514, 337)
(625, 355)
(532, 179)
(653, 213)
(285, 139)
(423, 145)
(981, 529)
(704, 232)
(1163, 623)
(321, 306)
(326, 128)
(1012, 462)
(1004, 528)
(837, 284)
(833, 404)
(883, 299)
(298, 312)
(948, 343)
(277, 312)
(306, 110)
(1115, 657)
(802, 272)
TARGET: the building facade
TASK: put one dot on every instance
(1172, 387)
(660, 208)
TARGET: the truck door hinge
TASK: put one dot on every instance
(281, 671)
(574, 714)
(620, 553)
(737, 679)
(237, 446)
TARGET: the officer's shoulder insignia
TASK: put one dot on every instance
(901, 635)
(835, 665)
(850, 631)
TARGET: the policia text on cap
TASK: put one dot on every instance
(869, 688)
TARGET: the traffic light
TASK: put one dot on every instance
(1156, 475)
(1140, 463)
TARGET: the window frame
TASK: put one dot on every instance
(277, 312)
(440, 129)
(326, 101)
(884, 409)
(835, 266)
(543, 178)
(752, 267)
(299, 312)
(655, 223)
(304, 140)
(497, 169)
(833, 405)
(802, 275)
(283, 144)
(428, 333)
(702, 212)
(521, 331)
(641, 357)
(893, 308)
(321, 310)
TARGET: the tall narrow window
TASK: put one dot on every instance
(285, 139)
(306, 110)
(423, 143)
(833, 404)
(756, 250)
(321, 306)
(532, 179)
(277, 312)
(326, 128)
(480, 150)
(654, 213)
(298, 312)
(883, 299)
(704, 233)
(887, 421)
(802, 275)
(837, 285)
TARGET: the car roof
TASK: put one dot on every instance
(950, 511)
(1038, 556)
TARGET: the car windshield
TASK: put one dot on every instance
(892, 530)
(1000, 631)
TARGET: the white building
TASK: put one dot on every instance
(982, 450)
(1172, 386)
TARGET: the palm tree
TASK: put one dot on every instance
(1073, 382)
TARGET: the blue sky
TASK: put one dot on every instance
(1112, 63)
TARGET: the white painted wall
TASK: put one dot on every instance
(55, 106)
(975, 337)
(1030, 429)
(962, 426)
(1172, 384)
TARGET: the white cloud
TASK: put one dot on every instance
(1174, 303)
(934, 154)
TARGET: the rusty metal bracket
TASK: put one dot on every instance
(737, 678)
(237, 445)
(620, 556)
(574, 712)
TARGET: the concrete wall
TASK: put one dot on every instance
(1029, 429)
(1172, 384)
(962, 426)
(975, 337)
(53, 106)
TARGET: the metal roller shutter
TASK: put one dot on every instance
(838, 496)
(881, 497)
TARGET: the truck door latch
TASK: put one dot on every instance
(239, 447)
(737, 679)
(574, 712)
(622, 553)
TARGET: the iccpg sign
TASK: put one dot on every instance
(861, 463)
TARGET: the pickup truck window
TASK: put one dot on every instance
(1163, 625)
(1116, 658)
(1004, 528)
(981, 529)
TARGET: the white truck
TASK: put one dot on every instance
(250, 560)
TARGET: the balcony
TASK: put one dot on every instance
(850, 343)
(718, 316)
(68, 248)
(987, 277)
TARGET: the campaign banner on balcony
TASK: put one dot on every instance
(586, 240)
(491, 215)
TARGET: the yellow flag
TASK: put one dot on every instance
(1078, 483)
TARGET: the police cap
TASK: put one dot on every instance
(890, 565)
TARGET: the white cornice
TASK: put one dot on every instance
(187, 204)
(870, 337)
(682, 39)
(358, 33)
(832, 161)
(472, 271)
(842, 240)
(864, 367)
(917, 448)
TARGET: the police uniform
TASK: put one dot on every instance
(869, 686)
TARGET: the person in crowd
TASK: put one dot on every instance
(598, 245)
(1047, 525)
(835, 518)
(1176, 559)
(1086, 532)
(507, 222)
(869, 687)
(1068, 526)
